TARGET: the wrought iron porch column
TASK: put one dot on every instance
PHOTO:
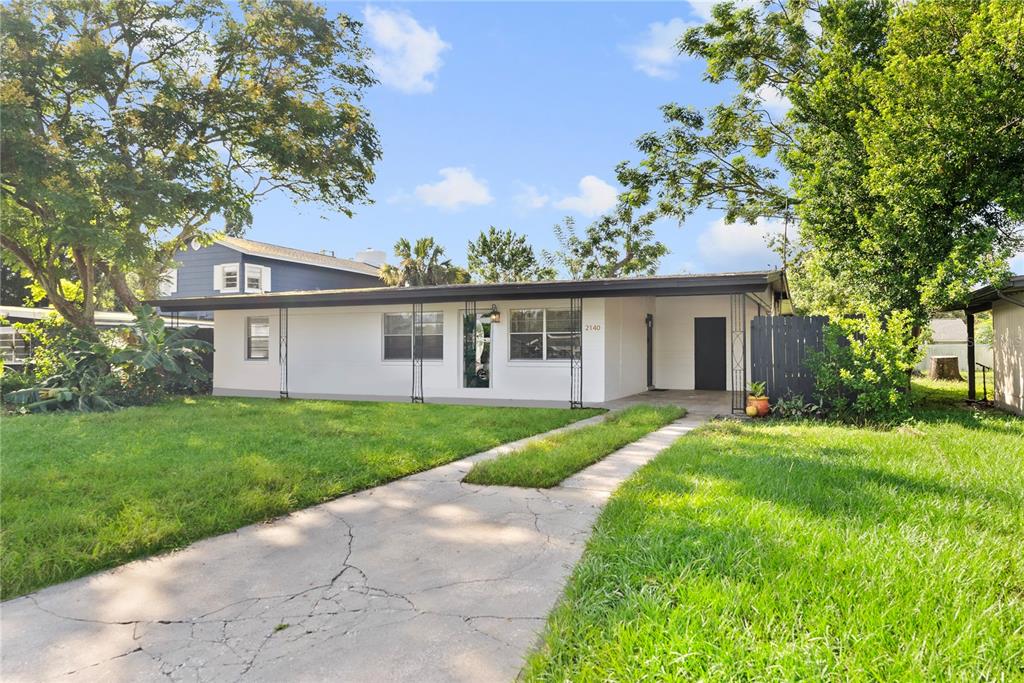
(972, 389)
(576, 353)
(282, 348)
(417, 353)
(738, 349)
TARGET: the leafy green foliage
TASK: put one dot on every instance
(794, 407)
(862, 372)
(618, 244)
(132, 366)
(758, 389)
(546, 462)
(899, 153)
(503, 256)
(421, 264)
(160, 358)
(815, 551)
(86, 492)
(132, 128)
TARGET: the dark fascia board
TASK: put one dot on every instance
(983, 298)
(666, 285)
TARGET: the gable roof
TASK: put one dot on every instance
(658, 285)
(309, 258)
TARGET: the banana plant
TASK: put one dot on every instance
(172, 354)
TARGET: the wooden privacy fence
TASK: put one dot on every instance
(778, 353)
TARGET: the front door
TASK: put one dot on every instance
(709, 353)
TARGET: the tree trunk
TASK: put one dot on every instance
(123, 292)
(944, 367)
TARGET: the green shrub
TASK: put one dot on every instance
(136, 365)
(862, 373)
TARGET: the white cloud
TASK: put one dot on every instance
(458, 188)
(406, 56)
(739, 246)
(531, 198)
(595, 197)
(774, 101)
(656, 54)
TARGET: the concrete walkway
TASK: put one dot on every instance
(423, 579)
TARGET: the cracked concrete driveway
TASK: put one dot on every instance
(424, 579)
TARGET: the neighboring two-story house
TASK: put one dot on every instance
(232, 265)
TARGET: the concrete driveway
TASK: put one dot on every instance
(423, 579)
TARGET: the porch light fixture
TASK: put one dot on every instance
(495, 315)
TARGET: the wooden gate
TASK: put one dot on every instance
(778, 353)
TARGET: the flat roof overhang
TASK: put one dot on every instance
(983, 298)
(663, 285)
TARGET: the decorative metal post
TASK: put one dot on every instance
(576, 353)
(417, 353)
(972, 388)
(468, 341)
(282, 348)
(738, 349)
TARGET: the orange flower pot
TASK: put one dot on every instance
(760, 404)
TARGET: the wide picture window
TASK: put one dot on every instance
(399, 336)
(543, 333)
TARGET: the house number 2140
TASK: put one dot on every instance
(593, 328)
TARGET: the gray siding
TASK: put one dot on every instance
(195, 272)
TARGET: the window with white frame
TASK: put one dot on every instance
(257, 278)
(226, 277)
(542, 333)
(257, 338)
(398, 336)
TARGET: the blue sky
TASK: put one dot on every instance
(515, 115)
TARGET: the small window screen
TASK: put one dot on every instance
(257, 338)
(398, 336)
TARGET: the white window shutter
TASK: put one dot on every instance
(266, 278)
(218, 277)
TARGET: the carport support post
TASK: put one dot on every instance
(282, 348)
(417, 353)
(972, 391)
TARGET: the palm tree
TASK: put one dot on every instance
(424, 264)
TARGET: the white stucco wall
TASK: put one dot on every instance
(338, 352)
(1008, 355)
(674, 336)
(625, 338)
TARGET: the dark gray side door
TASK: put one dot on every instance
(709, 368)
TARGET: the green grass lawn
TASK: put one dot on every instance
(808, 551)
(85, 492)
(547, 462)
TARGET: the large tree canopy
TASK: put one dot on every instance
(421, 264)
(619, 244)
(902, 154)
(133, 127)
(503, 256)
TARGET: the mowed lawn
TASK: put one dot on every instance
(85, 492)
(788, 551)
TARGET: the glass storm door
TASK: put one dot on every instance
(476, 350)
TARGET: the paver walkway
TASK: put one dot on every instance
(423, 579)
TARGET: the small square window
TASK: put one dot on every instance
(399, 335)
(230, 279)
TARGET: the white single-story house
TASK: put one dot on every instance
(578, 342)
(1007, 306)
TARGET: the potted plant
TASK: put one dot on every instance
(757, 400)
